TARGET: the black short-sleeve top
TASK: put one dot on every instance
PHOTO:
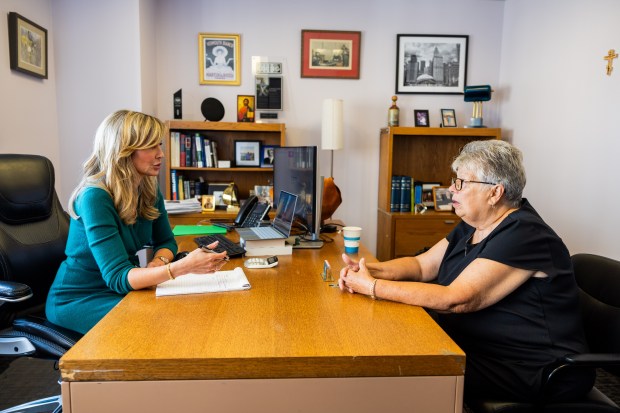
(537, 322)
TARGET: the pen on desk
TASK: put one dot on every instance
(210, 251)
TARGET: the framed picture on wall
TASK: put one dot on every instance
(431, 63)
(448, 118)
(330, 54)
(27, 46)
(219, 57)
(245, 108)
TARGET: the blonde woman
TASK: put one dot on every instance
(116, 210)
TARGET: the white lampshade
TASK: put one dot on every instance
(332, 135)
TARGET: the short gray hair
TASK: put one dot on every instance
(495, 161)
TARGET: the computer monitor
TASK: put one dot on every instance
(295, 170)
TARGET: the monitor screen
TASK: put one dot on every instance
(295, 170)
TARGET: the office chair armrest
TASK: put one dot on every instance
(585, 360)
(592, 359)
(12, 292)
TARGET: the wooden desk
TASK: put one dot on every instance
(293, 342)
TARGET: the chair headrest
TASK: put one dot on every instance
(26, 188)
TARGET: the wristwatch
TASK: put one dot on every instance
(163, 259)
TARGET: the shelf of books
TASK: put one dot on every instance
(205, 157)
(412, 161)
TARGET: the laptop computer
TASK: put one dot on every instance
(280, 228)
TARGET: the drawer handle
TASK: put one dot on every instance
(449, 221)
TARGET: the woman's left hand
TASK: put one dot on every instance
(353, 281)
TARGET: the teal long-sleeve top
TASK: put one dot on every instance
(100, 251)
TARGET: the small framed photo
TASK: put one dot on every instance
(442, 198)
(245, 108)
(268, 155)
(247, 153)
(208, 202)
(448, 118)
(219, 57)
(427, 193)
(421, 118)
(330, 54)
(432, 64)
(27, 46)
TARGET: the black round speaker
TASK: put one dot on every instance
(212, 109)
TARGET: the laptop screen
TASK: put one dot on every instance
(285, 213)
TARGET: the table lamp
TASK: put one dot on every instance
(332, 139)
(477, 94)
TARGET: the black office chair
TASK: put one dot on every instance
(33, 234)
(598, 279)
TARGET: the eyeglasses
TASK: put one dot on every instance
(458, 183)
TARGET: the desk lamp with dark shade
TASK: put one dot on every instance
(477, 95)
(332, 139)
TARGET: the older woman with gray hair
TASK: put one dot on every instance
(500, 284)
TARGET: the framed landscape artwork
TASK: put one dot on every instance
(330, 54)
(431, 64)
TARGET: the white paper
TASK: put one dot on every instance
(205, 283)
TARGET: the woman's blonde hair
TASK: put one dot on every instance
(111, 168)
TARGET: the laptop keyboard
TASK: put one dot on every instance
(266, 232)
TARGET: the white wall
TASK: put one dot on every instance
(273, 29)
(98, 71)
(560, 108)
(555, 100)
(28, 112)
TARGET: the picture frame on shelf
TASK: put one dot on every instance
(330, 54)
(219, 57)
(422, 118)
(445, 55)
(442, 198)
(208, 203)
(27, 46)
(427, 193)
(247, 153)
(246, 109)
(448, 118)
(268, 155)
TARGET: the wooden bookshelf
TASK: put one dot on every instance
(425, 154)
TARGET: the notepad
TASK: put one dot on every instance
(233, 280)
(197, 230)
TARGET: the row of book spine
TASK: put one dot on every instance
(192, 151)
(182, 188)
(405, 193)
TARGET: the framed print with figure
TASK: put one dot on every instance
(330, 54)
(431, 64)
(245, 108)
(27, 46)
(448, 118)
(219, 57)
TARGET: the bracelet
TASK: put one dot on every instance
(163, 259)
(372, 289)
(169, 272)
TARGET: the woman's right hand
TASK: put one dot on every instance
(200, 261)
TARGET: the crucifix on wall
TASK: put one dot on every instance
(611, 55)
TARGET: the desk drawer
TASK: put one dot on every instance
(412, 235)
